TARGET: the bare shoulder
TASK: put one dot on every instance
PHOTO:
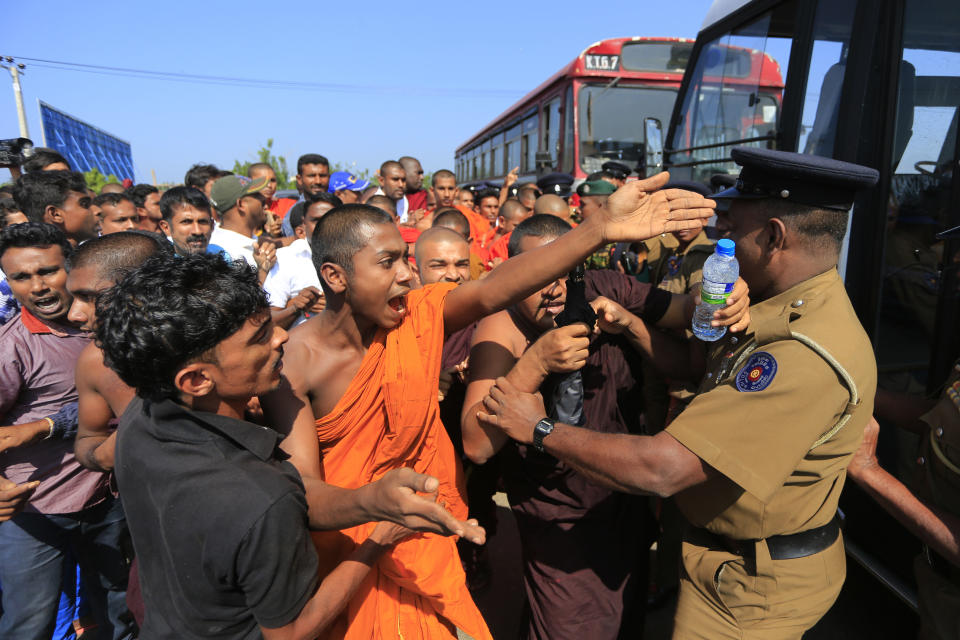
(499, 328)
(94, 376)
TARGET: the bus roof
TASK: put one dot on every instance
(578, 69)
(721, 9)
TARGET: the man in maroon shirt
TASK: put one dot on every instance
(71, 508)
(416, 194)
(583, 545)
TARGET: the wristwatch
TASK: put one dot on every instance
(541, 431)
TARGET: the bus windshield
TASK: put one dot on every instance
(611, 121)
(734, 95)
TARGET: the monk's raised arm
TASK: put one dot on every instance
(637, 211)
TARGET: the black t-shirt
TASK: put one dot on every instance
(218, 520)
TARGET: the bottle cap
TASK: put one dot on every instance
(726, 247)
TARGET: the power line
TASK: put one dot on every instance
(193, 78)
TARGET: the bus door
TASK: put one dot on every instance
(918, 317)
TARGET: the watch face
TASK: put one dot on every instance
(542, 430)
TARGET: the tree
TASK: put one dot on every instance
(279, 164)
(95, 180)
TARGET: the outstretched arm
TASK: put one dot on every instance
(657, 464)
(937, 528)
(637, 211)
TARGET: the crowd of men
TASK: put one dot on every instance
(232, 415)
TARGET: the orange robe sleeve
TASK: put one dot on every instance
(389, 418)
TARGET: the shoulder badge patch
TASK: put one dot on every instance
(758, 373)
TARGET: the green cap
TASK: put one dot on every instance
(227, 190)
(595, 188)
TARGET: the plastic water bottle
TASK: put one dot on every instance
(720, 272)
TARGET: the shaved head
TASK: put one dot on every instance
(385, 204)
(115, 254)
(513, 211)
(112, 187)
(342, 232)
(527, 195)
(436, 235)
(442, 255)
(390, 164)
(452, 219)
(553, 205)
(444, 174)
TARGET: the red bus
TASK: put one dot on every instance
(590, 111)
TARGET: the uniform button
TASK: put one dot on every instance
(733, 340)
(921, 461)
(709, 375)
(939, 432)
(797, 304)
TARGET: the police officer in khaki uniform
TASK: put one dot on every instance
(932, 512)
(758, 459)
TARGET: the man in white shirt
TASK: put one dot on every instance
(393, 184)
(292, 286)
(242, 214)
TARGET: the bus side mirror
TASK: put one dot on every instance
(544, 160)
(654, 146)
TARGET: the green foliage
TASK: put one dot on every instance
(362, 174)
(279, 164)
(96, 180)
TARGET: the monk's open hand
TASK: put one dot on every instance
(396, 499)
(736, 313)
(641, 209)
(512, 411)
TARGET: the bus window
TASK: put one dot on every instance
(611, 121)
(568, 150)
(828, 64)
(486, 164)
(920, 201)
(497, 155)
(513, 151)
(671, 57)
(530, 137)
(735, 94)
(552, 130)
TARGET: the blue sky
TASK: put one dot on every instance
(431, 74)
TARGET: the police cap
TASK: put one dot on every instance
(805, 179)
(616, 170)
(595, 188)
(688, 185)
(556, 183)
(721, 181)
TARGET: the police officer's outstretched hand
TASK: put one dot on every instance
(643, 209)
(736, 314)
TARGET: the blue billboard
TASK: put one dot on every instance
(84, 146)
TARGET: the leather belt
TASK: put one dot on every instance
(785, 547)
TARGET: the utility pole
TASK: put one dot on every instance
(15, 70)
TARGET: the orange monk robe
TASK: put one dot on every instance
(389, 418)
(499, 248)
(478, 224)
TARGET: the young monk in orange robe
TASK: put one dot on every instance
(368, 367)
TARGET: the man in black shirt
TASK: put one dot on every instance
(219, 518)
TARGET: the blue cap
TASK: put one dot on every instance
(726, 247)
(802, 178)
(346, 181)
